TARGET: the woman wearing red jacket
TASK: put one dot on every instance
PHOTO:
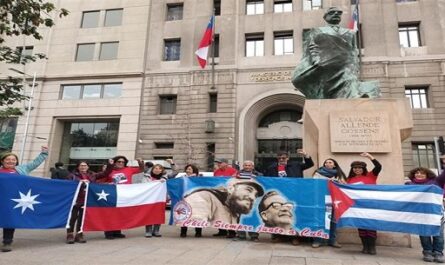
(359, 175)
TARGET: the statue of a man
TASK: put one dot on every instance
(329, 67)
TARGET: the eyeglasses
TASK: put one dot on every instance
(279, 205)
(120, 161)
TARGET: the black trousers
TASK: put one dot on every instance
(76, 216)
(8, 235)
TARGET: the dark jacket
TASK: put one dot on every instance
(293, 169)
(60, 173)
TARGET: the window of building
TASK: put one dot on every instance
(169, 145)
(112, 90)
(172, 50)
(213, 102)
(254, 45)
(409, 35)
(217, 7)
(167, 104)
(8, 127)
(90, 19)
(210, 150)
(93, 134)
(108, 50)
(281, 6)
(418, 96)
(424, 155)
(254, 7)
(91, 91)
(312, 4)
(216, 46)
(283, 43)
(174, 11)
(28, 50)
(162, 157)
(113, 17)
(402, 1)
(85, 52)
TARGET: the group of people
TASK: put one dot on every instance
(118, 172)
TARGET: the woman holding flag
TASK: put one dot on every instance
(10, 165)
(359, 175)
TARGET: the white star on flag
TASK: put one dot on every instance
(26, 201)
(336, 203)
(102, 196)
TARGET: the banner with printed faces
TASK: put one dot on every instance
(287, 206)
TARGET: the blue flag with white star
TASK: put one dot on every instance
(35, 203)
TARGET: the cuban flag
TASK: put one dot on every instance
(34, 202)
(413, 209)
(353, 22)
(206, 41)
(116, 207)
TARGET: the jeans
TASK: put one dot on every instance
(433, 244)
(8, 235)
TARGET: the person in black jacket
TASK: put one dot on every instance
(59, 172)
(284, 168)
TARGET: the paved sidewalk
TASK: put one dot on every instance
(48, 247)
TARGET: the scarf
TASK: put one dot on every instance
(329, 173)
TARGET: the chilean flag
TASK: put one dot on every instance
(116, 207)
(413, 209)
(353, 22)
(205, 43)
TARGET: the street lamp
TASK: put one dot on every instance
(28, 112)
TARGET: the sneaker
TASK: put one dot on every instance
(438, 258)
(198, 234)
(255, 239)
(157, 234)
(109, 237)
(79, 238)
(6, 248)
(428, 257)
(335, 244)
(316, 244)
(183, 235)
(69, 238)
(147, 235)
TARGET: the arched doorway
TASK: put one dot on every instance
(270, 108)
(278, 130)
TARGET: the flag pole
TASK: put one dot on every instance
(213, 50)
(359, 41)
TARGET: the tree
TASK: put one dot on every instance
(21, 18)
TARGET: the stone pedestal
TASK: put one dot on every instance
(344, 128)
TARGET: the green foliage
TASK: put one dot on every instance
(21, 18)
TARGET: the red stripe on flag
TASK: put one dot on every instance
(117, 218)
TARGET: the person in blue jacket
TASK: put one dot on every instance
(10, 165)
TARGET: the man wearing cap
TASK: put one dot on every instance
(223, 169)
(224, 204)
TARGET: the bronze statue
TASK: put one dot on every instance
(329, 67)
